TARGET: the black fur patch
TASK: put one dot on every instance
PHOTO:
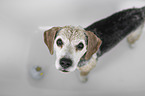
(114, 28)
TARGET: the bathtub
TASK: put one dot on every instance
(120, 72)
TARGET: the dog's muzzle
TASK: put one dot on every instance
(65, 64)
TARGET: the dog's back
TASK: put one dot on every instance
(113, 29)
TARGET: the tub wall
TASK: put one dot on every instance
(22, 46)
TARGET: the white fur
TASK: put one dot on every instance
(71, 36)
(134, 36)
(87, 68)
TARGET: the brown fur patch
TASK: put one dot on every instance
(93, 44)
(49, 36)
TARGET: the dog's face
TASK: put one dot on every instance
(71, 44)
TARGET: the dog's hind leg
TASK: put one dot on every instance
(134, 36)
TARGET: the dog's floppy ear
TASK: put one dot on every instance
(93, 44)
(49, 37)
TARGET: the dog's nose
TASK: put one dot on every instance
(65, 62)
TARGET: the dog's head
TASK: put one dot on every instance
(71, 44)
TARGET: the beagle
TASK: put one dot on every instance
(79, 48)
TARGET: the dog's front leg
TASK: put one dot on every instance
(84, 70)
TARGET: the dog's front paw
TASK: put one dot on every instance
(132, 45)
(83, 79)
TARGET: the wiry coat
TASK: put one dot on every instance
(113, 29)
(98, 38)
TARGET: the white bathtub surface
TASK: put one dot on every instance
(120, 72)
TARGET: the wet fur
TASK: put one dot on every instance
(116, 27)
(109, 32)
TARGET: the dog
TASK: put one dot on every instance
(79, 48)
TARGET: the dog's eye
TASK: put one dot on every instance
(80, 46)
(59, 42)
